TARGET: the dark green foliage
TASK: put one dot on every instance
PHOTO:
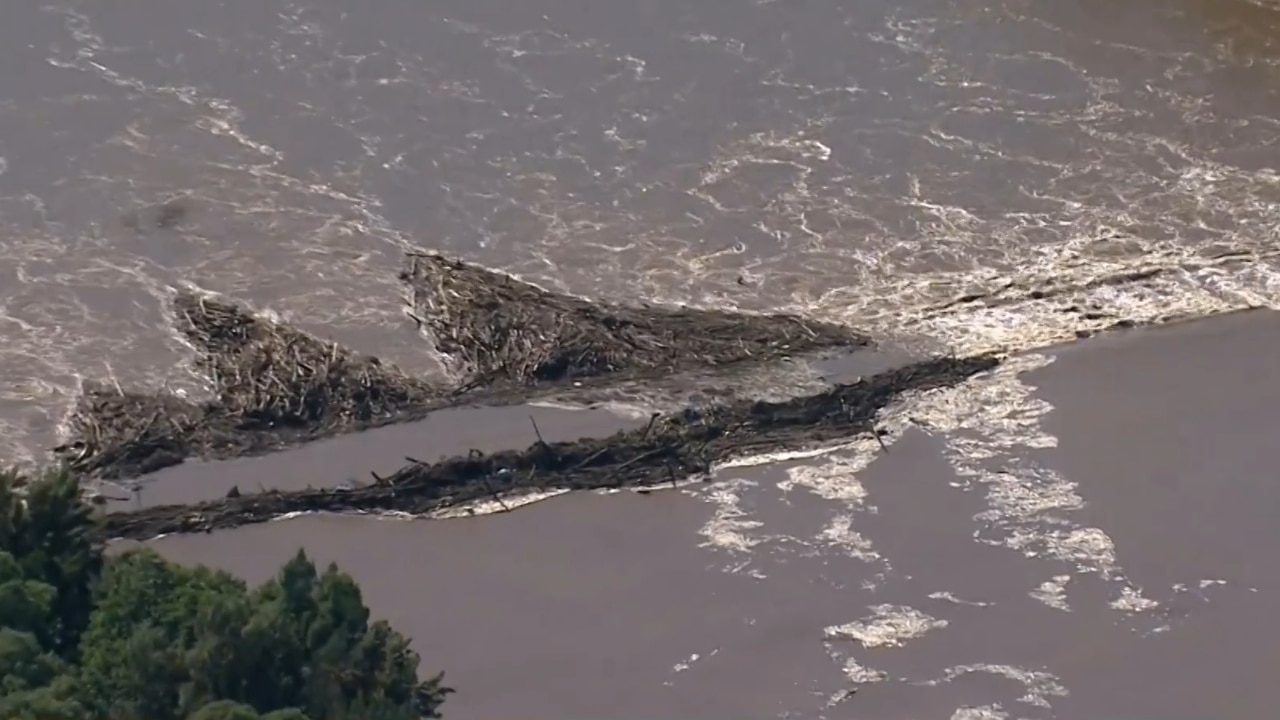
(51, 537)
(132, 635)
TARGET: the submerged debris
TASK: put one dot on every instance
(670, 448)
(499, 329)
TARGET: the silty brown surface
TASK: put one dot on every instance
(355, 458)
(668, 449)
(275, 386)
(581, 606)
(986, 173)
(1174, 436)
(595, 605)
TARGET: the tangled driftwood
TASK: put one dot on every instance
(670, 448)
(276, 386)
(499, 329)
(268, 374)
(122, 434)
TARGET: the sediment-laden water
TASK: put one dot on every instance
(967, 176)
(988, 174)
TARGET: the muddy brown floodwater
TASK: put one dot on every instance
(355, 459)
(352, 458)
(987, 175)
(768, 593)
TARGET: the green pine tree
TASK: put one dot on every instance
(85, 636)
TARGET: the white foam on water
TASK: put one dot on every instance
(688, 662)
(1053, 593)
(730, 527)
(887, 626)
(505, 502)
(835, 479)
(781, 456)
(82, 282)
(990, 424)
(861, 674)
(839, 533)
(980, 712)
(855, 674)
(688, 482)
(376, 515)
(1039, 686)
(490, 506)
(626, 410)
(951, 598)
(1132, 601)
(1058, 293)
(1043, 292)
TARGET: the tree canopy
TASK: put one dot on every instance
(89, 636)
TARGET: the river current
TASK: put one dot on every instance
(1056, 166)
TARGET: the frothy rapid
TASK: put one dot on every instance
(958, 174)
(979, 176)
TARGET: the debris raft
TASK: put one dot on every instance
(127, 434)
(670, 448)
(497, 329)
(270, 375)
(274, 386)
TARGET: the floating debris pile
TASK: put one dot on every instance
(268, 374)
(670, 448)
(497, 329)
(119, 434)
(274, 386)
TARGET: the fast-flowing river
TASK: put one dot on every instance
(979, 174)
(1064, 165)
